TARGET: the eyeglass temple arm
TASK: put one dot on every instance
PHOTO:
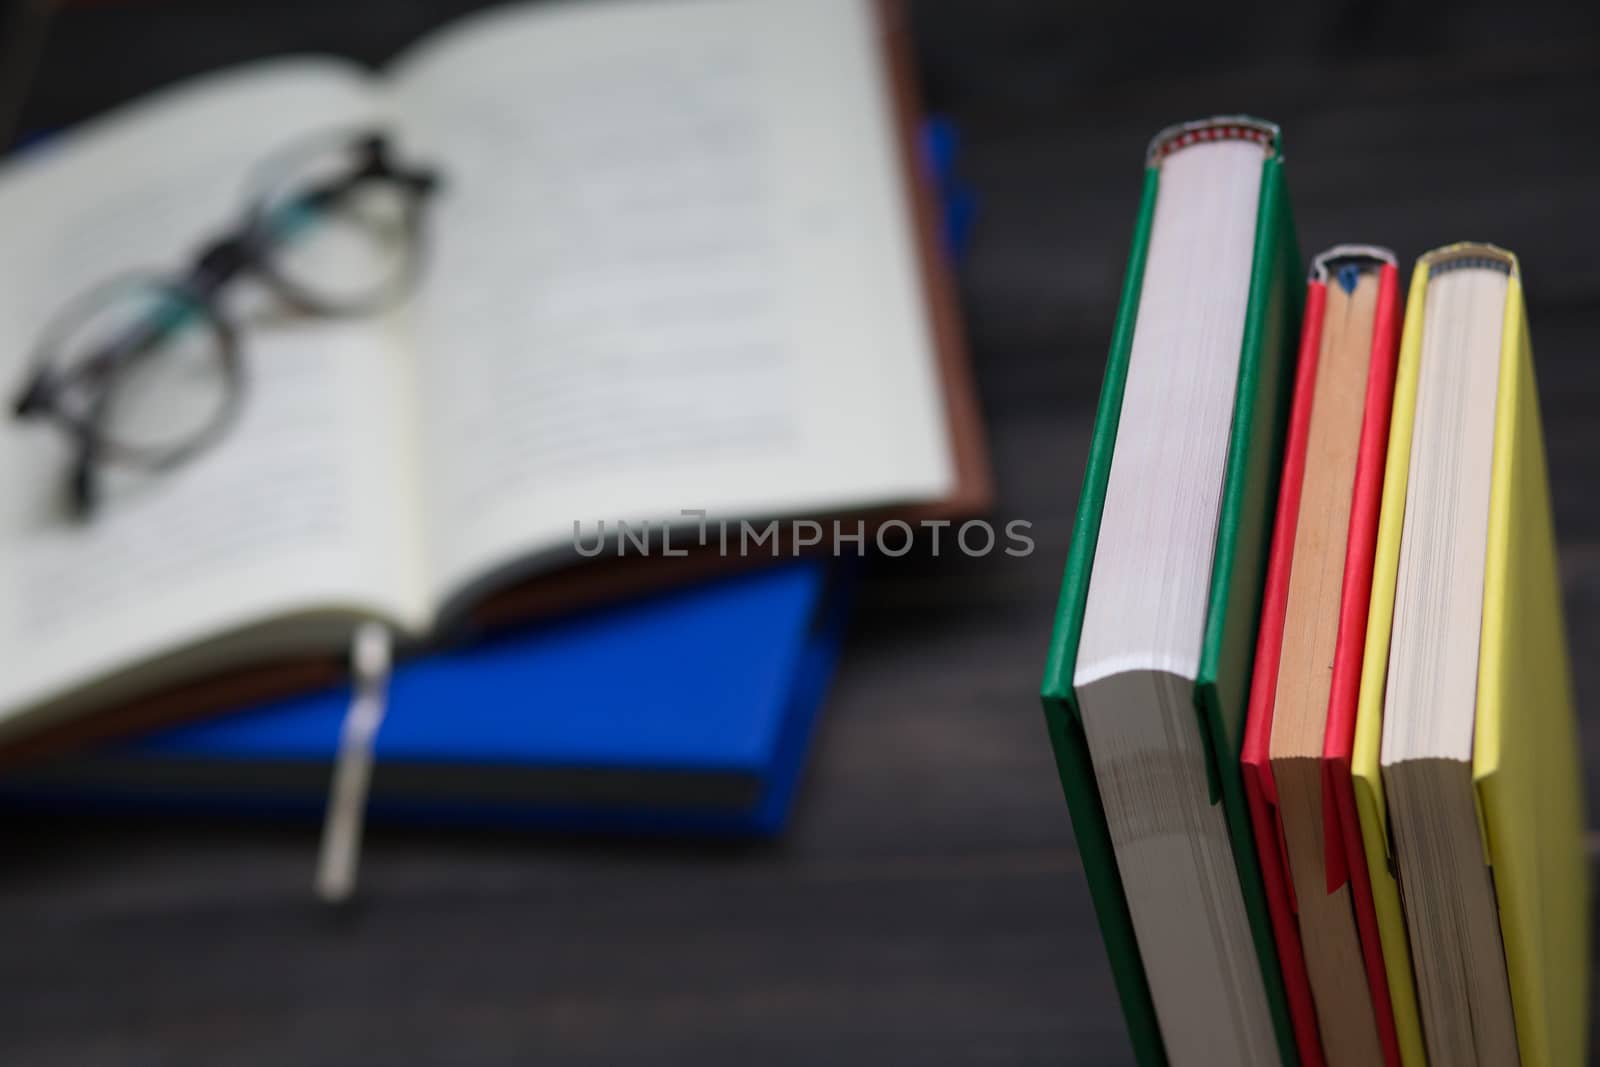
(378, 162)
(30, 398)
(83, 487)
(381, 163)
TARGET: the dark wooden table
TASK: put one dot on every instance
(928, 905)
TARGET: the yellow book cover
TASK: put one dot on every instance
(1525, 745)
(1525, 748)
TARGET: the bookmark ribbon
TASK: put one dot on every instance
(340, 854)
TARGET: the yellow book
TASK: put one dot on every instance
(1525, 748)
(1524, 763)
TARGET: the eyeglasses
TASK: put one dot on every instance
(144, 370)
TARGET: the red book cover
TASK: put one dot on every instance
(1261, 793)
(1342, 832)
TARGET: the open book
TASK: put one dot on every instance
(678, 261)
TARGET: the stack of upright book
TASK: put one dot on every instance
(1308, 687)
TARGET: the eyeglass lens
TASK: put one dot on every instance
(337, 235)
(147, 365)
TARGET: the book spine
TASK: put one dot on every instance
(1365, 778)
(1067, 738)
(1346, 859)
(1238, 573)
(1255, 763)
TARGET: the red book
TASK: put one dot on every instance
(1344, 858)
(1260, 792)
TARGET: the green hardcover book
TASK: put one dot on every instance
(1263, 323)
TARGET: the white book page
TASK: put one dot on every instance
(674, 269)
(300, 507)
(1146, 606)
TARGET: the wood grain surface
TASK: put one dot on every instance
(927, 906)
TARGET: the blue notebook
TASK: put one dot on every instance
(688, 712)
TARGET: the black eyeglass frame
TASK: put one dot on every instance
(240, 253)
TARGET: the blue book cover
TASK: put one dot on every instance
(687, 712)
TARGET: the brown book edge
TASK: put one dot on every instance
(597, 583)
(176, 704)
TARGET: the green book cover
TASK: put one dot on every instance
(1222, 685)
